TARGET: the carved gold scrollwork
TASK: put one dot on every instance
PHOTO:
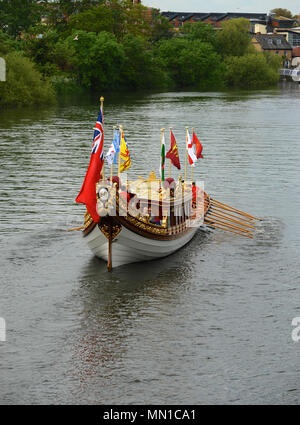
(87, 220)
(106, 227)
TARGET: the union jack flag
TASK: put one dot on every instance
(98, 136)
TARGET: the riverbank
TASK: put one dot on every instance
(76, 59)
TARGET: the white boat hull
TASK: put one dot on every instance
(129, 247)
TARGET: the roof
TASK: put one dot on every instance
(248, 15)
(282, 18)
(287, 30)
(273, 42)
(183, 16)
(217, 16)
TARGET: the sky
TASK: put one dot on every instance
(251, 6)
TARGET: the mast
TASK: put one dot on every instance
(112, 164)
(186, 153)
(101, 109)
(162, 157)
(171, 128)
(192, 171)
(119, 157)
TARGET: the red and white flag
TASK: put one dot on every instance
(191, 150)
(87, 194)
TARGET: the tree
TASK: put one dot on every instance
(18, 15)
(252, 71)
(137, 21)
(282, 12)
(96, 19)
(58, 12)
(234, 38)
(199, 31)
(8, 44)
(161, 28)
(24, 84)
(96, 59)
(140, 70)
(46, 50)
(190, 63)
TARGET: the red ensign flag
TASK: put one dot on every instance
(87, 194)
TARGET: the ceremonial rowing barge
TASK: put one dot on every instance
(148, 218)
(145, 228)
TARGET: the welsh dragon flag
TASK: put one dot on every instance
(172, 153)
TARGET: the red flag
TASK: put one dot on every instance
(87, 194)
(172, 153)
(198, 146)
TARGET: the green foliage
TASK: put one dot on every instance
(234, 39)
(64, 84)
(161, 29)
(24, 85)
(96, 19)
(282, 12)
(136, 20)
(140, 70)
(251, 71)
(120, 18)
(96, 59)
(274, 61)
(8, 44)
(40, 48)
(18, 15)
(115, 44)
(190, 63)
(199, 31)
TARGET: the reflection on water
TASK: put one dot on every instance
(209, 324)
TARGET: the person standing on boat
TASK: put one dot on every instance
(195, 190)
(124, 194)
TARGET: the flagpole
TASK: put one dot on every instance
(192, 171)
(162, 171)
(185, 170)
(112, 164)
(119, 158)
(101, 109)
(171, 128)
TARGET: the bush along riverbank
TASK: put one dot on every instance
(113, 47)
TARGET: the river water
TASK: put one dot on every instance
(209, 324)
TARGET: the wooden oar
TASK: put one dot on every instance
(214, 214)
(232, 209)
(239, 217)
(232, 226)
(229, 230)
(228, 226)
(235, 209)
(225, 209)
(75, 228)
